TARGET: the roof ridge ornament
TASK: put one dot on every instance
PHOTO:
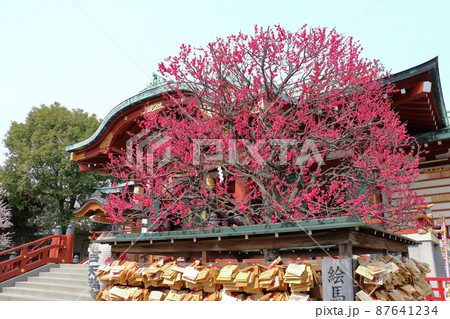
(157, 81)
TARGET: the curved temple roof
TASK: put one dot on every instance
(151, 93)
(413, 103)
(419, 103)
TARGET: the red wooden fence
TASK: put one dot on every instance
(52, 249)
(440, 281)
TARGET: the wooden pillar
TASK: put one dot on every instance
(69, 245)
(345, 250)
(241, 188)
(56, 252)
(204, 257)
(135, 230)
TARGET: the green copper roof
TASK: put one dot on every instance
(433, 136)
(309, 225)
(155, 89)
(111, 189)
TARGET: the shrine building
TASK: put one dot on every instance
(419, 103)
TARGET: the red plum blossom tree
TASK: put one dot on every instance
(268, 127)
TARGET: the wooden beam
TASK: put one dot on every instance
(417, 92)
(364, 240)
(417, 118)
(414, 115)
(414, 104)
(344, 244)
(345, 250)
(407, 108)
(432, 164)
(118, 150)
(237, 244)
(421, 126)
(333, 252)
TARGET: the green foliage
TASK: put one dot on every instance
(5, 215)
(42, 185)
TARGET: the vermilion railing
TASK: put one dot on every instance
(51, 249)
(440, 281)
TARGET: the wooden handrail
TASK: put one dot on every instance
(36, 242)
(51, 249)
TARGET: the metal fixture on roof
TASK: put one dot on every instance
(157, 81)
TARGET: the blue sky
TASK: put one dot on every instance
(94, 54)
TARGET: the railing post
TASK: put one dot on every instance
(23, 258)
(69, 245)
(55, 252)
(58, 230)
(441, 290)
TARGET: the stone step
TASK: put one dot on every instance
(68, 271)
(52, 286)
(15, 297)
(74, 266)
(67, 282)
(66, 274)
(59, 280)
(48, 294)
